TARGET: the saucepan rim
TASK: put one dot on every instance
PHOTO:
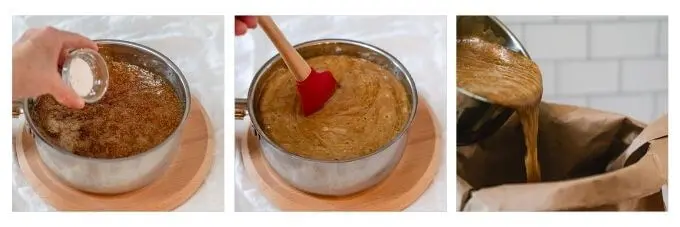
(518, 48)
(36, 132)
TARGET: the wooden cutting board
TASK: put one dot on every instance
(407, 182)
(183, 178)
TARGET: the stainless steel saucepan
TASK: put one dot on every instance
(113, 176)
(476, 117)
(333, 178)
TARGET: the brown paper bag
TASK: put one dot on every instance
(590, 160)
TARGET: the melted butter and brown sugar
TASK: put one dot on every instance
(139, 110)
(506, 78)
(368, 109)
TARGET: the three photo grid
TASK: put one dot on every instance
(339, 114)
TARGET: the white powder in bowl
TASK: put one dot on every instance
(81, 77)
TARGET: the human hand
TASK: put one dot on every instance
(36, 60)
(243, 23)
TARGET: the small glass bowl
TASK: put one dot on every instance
(99, 68)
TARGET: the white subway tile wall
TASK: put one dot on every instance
(625, 39)
(613, 63)
(556, 41)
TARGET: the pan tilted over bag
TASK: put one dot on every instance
(590, 160)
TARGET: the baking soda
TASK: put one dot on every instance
(81, 77)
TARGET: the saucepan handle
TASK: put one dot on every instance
(241, 108)
(17, 109)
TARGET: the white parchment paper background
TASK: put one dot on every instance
(194, 43)
(419, 42)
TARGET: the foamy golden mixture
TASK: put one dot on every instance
(367, 110)
(497, 73)
(139, 111)
(506, 78)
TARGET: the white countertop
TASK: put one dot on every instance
(194, 43)
(418, 42)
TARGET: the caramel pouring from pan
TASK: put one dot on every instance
(476, 117)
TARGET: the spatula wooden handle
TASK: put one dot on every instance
(291, 57)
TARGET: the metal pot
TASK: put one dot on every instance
(332, 178)
(114, 176)
(476, 117)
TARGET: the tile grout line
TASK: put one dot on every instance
(659, 27)
(665, 94)
(665, 104)
(524, 34)
(575, 22)
(606, 94)
(557, 74)
(589, 40)
(619, 68)
(592, 59)
(655, 108)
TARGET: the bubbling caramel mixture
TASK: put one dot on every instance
(506, 78)
(368, 109)
(139, 110)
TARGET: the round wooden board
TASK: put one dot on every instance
(184, 177)
(410, 178)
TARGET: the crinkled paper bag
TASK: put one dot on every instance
(590, 160)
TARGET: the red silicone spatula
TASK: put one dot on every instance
(314, 88)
